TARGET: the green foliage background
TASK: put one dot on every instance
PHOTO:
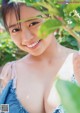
(8, 50)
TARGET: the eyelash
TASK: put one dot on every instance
(15, 30)
(30, 25)
(33, 24)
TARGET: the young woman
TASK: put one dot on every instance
(28, 83)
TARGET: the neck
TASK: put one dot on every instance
(50, 51)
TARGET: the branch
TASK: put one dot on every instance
(69, 30)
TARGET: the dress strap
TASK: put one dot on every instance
(65, 73)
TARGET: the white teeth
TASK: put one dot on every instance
(32, 45)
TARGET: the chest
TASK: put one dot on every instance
(31, 90)
(34, 88)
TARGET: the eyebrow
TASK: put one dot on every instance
(21, 21)
(26, 20)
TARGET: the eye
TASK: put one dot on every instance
(15, 30)
(33, 24)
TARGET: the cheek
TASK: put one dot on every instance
(15, 40)
(35, 30)
(48, 40)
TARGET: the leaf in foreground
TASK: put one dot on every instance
(49, 26)
(70, 95)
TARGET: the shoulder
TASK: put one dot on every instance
(66, 51)
(8, 68)
(6, 73)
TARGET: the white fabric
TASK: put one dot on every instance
(66, 72)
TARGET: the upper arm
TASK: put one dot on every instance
(5, 75)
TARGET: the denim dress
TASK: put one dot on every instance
(8, 93)
(8, 96)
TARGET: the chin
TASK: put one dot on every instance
(37, 53)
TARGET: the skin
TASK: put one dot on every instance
(37, 71)
(76, 65)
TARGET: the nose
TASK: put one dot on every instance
(27, 36)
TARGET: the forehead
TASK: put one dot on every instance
(25, 13)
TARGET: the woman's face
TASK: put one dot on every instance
(26, 37)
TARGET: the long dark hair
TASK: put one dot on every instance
(7, 8)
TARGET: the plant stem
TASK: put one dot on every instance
(71, 33)
(69, 30)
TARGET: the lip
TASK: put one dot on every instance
(35, 45)
(32, 42)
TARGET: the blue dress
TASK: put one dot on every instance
(8, 95)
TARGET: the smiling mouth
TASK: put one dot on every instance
(34, 44)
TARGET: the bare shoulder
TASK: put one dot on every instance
(68, 51)
(7, 72)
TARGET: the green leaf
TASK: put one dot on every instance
(31, 2)
(48, 6)
(70, 95)
(71, 22)
(16, 1)
(70, 7)
(48, 27)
